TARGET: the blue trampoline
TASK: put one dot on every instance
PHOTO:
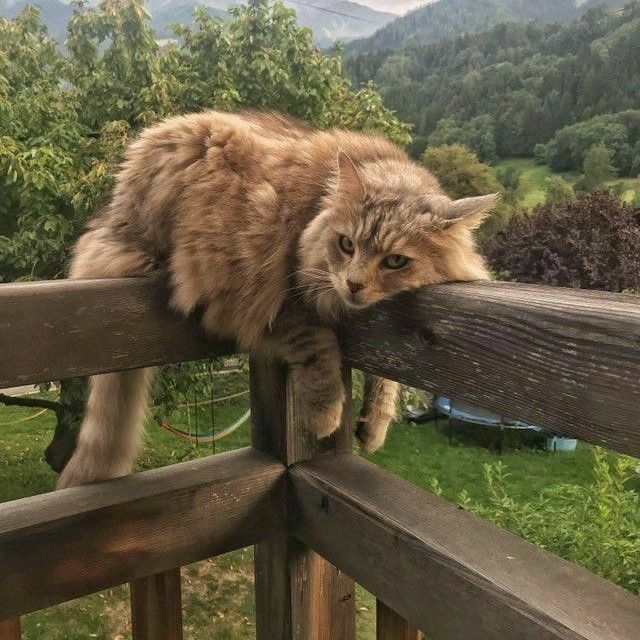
(460, 412)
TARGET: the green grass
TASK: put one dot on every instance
(532, 191)
(218, 593)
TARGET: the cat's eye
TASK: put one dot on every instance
(346, 245)
(395, 261)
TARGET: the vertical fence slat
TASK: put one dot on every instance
(156, 607)
(10, 629)
(390, 626)
(299, 595)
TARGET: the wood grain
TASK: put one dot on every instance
(10, 629)
(390, 626)
(563, 359)
(67, 328)
(58, 546)
(443, 569)
(156, 607)
(299, 595)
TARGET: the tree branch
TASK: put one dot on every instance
(21, 401)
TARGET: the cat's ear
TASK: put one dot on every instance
(470, 212)
(349, 181)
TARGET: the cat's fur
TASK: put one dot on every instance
(245, 213)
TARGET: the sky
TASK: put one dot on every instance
(394, 6)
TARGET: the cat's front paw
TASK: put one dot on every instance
(323, 419)
(372, 433)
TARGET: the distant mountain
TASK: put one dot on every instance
(330, 20)
(181, 11)
(451, 18)
(54, 14)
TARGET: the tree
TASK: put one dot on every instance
(462, 175)
(559, 191)
(591, 242)
(459, 171)
(597, 168)
(64, 122)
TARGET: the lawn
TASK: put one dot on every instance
(218, 593)
(532, 191)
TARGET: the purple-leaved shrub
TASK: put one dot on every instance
(591, 242)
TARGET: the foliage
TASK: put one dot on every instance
(596, 526)
(529, 80)
(592, 242)
(559, 191)
(459, 171)
(509, 177)
(597, 168)
(478, 134)
(619, 133)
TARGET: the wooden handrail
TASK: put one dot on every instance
(58, 546)
(66, 328)
(563, 359)
(448, 572)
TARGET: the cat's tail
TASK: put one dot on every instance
(111, 433)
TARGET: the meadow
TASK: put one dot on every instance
(532, 189)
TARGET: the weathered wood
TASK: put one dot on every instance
(390, 626)
(156, 607)
(10, 629)
(563, 359)
(58, 546)
(68, 328)
(299, 595)
(443, 569)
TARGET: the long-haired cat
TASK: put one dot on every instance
(274, 231)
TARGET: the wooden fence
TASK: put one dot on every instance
(319, 516)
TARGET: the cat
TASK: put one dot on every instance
(273, 231)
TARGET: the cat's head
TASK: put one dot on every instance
(387, 227)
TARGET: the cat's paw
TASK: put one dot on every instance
(323, 420)
(371, 433)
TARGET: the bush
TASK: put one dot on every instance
(596, 526)
(459, 171)
(592, 242)
(559, 191)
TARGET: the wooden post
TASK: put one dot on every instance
(299, 595)
(390, 626)
(156, 607)
(10, 629)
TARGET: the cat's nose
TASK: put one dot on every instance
(354, 287)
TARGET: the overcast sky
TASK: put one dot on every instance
(395, 6)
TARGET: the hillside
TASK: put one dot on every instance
(450, 18)
(506, 90)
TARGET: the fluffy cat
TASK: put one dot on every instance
(273, 231)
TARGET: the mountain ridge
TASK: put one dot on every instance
(451, 18)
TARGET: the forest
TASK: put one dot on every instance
(506, 90)
(449, 18)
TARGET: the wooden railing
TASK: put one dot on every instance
(320, 517)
